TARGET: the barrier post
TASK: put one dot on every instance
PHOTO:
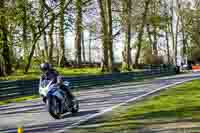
(20, 130)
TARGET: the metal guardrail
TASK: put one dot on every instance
(19, 88)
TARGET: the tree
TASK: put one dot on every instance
(83, 46)
(104, 37)
(141, 31)
(78, 35)
(37, 31)
(50, 34)
(106, 22)
(127, 8)
(42, 16)
(4, 45)
(110, 36)
(89, 47)
(62, 58)
(25, 27)
(167, 30)
(168, 48)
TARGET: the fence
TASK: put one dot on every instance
(19, 88)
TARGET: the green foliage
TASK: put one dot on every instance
(125, 68)
(149, 58)
(18, 99)
(2, 65)
(194, 54)
(144, 44)
(155, 20)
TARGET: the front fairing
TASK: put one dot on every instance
(45, 86)
(57, 93)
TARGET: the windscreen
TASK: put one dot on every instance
(44, 83)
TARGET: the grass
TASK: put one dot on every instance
(35, 73)
(21, 99)
(176, 110)
(79, 71)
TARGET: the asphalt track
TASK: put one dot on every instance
(33, 117)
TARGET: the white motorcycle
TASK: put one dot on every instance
(56, 100)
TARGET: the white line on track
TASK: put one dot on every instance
(74, 125)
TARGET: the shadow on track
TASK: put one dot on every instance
(51, 126)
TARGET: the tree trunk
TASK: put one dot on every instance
(104, 62)
(173, 42)
(127, 50)
(38, 51)
(168, 51)
(78, 26)
(147, 2)
(30, 57)
(6, 52)
(104, 65)
(62, 58)
(83, 47)
(176, 41)
(149, 35)
(2, 66)
(50, 58)
(24, 27)
(45, 45)
(184, 43)
(110, 37)
(44, 32)
(90, 42)
(4, 40)
(32, 50)
(155, 51)
(173, 35)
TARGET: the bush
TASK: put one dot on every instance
(2, 66)
(149, 58)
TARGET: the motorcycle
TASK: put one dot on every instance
(57, 101)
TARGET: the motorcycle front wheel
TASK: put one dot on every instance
(75, 106)
(53, 107)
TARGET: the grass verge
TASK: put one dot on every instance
(35, 73)
(14, 100)
(176, 110)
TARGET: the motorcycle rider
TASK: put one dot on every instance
(48, 73)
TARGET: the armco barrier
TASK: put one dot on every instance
(19, 88)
